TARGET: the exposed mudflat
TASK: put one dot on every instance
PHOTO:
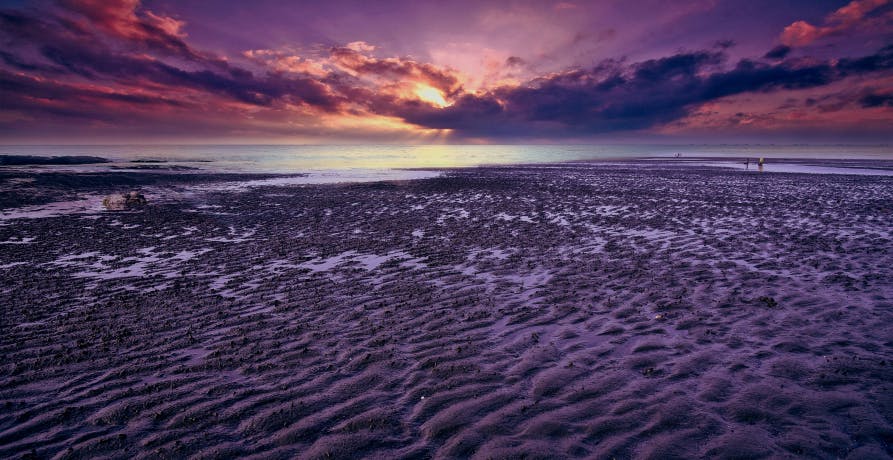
(585, 310)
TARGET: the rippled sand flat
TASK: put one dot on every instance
(583, 310)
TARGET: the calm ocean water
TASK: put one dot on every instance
(296, 158)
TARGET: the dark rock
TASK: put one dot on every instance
(768, 301)
(129, 200)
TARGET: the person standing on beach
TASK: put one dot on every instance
(761, 164)
(746, 164)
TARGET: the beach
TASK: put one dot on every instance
(623, 309)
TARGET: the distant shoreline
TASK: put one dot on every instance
(103, 165)
(302, 158)
(34, 160)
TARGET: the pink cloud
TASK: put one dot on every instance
(394, 69)
(115, 63)
(119, 17)
(855, 14)
(361, 47)
(126, 19)
(287, 61)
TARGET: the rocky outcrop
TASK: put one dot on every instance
(129, 200)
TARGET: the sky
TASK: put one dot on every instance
(429, 72)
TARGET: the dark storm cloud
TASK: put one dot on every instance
(883, 60)
(512, 61)
(118, 18)
(53, 44)
(115, 61)
(31, 95)
(877, 100)
(235, 83)
(779, 52)
(31, 88)
(612, 97)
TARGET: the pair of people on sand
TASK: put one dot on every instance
(747, 163)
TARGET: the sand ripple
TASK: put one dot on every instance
(586, 311)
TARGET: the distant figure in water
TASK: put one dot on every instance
(678, 155)
(761, 164)
(746, 164)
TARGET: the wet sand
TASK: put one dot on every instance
(564, 311)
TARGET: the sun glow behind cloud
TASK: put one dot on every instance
(121, 68)
(431, 95)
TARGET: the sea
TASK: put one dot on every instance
(329, 163)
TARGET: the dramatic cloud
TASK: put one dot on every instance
(858, 13)
(119, 19)
(877, 100)
(59, 45)
(779, 52)
(394, 69)
(613, 97)
(93, 67)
